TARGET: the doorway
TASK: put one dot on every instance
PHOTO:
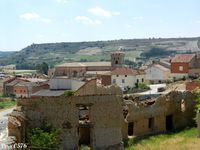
(84, 135)
(130, 128)
(169, 122)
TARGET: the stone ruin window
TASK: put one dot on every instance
(83, 113)
(183, 108)
(85, 126)
(151, 123)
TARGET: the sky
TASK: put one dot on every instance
(24, 22)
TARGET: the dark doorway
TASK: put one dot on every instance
(130, 128)
(84, 135)
(169, 122)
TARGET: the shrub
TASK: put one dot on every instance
(197, 100)
(69, 93)
(142, 86)
(44, 137)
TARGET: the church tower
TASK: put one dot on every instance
(117, 59)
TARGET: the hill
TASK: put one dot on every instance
(55, 53)
(5, 54)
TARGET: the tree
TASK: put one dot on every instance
(157, 52)
(42, 68)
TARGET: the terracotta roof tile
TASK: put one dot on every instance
(183, 58)
(124, 71)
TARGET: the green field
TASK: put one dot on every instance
(183, 140)
(7, 104)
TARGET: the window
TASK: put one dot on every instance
(137, 80)
(151, 123)
(117, 75)
(183, 105)
(123, 81)
(142, 79)
(125, 75)
(180, 68)
(114, 81)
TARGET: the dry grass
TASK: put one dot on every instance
(183, 140)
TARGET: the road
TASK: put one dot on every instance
(153, 89)
(3, 123)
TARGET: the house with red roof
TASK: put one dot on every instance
(184, 65)
(126, 77)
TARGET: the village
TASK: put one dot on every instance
(103, 104)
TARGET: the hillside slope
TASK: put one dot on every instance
(54, 53)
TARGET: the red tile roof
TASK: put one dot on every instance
(182, 58)
(124, 71)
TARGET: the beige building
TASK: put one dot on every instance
(84, 69)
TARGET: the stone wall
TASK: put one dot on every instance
(105, 118)
(176, 104)
(91, 88)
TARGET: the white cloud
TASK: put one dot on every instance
(129, 26)
(98, 11)
(46, 20)
(116, 13)
(87, 20)
(34, 16)
(138, 18)
(29, 16)
(62, 1)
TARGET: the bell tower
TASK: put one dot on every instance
(117, 59)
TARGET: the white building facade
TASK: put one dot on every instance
(156, 73)
(126, 78)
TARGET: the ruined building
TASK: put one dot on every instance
(158, 114)
(100, 117)
(93, 116)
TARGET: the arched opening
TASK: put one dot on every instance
(116, 62)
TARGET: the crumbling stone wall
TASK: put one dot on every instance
(91, 88)
(198, 124)
(159, 108)
(62, 112)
